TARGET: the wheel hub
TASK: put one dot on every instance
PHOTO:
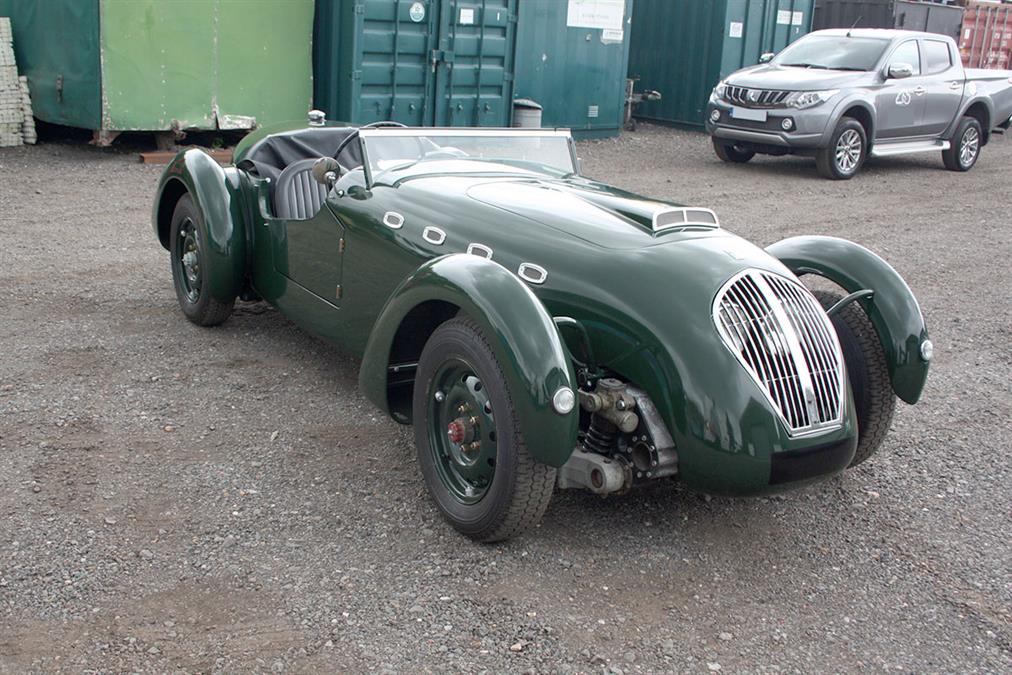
(462, 431)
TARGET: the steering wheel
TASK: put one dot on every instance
(353, 135)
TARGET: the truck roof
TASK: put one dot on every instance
(880, 33)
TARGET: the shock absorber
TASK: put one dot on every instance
(601, 436)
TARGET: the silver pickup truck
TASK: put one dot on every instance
(841, 95)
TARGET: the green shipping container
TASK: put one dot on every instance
(150, 65)
(682, 48)
(572, 57)
(417, 62)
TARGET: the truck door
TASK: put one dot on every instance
(943, 83)
(900, 102)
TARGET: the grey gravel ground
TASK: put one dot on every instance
(181, 499)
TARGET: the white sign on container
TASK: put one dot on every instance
(784, 17)
(596, 14)
(735, 29)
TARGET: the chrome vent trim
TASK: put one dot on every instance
(689, 216)
(782, 336)
(756, 98)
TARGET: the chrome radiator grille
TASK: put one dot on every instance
(782, 336)
(757, 98)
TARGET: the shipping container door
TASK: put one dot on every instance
(392, 79)
(474, 63)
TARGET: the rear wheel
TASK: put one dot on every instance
(470, 448)
(964, 146)
(847, 150)
(731, 152)
(874, 401)
(190, 266)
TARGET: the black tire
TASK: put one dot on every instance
(186, 232)
(964, 146)
(521, 487)
(846, 152)
(729, 152)
(874, 401)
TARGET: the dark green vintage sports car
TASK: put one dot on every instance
(540, 329)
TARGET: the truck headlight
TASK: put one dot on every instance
(718, 91)
(807, 99)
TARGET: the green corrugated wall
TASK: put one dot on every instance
(682, 48)
(150, 65)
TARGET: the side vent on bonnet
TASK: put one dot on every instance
(685, 217)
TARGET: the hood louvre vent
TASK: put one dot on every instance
(782, 336)
(685, 217)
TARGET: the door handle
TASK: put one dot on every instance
(919, 90)
(955, 85)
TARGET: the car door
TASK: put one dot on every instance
(898, 105)
(943, 85)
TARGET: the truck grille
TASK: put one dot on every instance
(782, 336)
(755, 98)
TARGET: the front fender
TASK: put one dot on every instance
(216, 192)
(520, 330)
(892, 309)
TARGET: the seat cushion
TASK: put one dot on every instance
(297, 194)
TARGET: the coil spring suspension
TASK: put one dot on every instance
(601, 436)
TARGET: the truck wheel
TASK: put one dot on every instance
(847, 150)
(964, 146)
(729, 152)
(190, 272)
(874, 401)
(469, 445)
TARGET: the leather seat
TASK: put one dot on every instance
(297, 193)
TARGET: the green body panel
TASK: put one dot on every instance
(216, 192)
(147, 65)
(893, 309)
(644, 297)
(451, 65)
(521, 333)
(56, 44)
(682, 49)
(577, 73)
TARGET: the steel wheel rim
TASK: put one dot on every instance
(848, 151)
(187, 259)
(969, 145)
(465, 458)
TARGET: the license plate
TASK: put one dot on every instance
(748, 114)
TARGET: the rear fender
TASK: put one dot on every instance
(519, 329)
(216, 192)
(892, 309)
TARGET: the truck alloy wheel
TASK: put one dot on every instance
(846, 152)
(470, 449)
(964, 146)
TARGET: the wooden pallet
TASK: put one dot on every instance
(223, 156)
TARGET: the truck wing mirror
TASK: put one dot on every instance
(899, 71)
(766, 57)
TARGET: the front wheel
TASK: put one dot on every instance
(191, 271)
(729, 152)
(964, 146)
(470, 448)
(868, 372)
(847, 150)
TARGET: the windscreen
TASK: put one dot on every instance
(395, 153)
(833, 52)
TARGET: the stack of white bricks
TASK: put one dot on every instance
(16, 122)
